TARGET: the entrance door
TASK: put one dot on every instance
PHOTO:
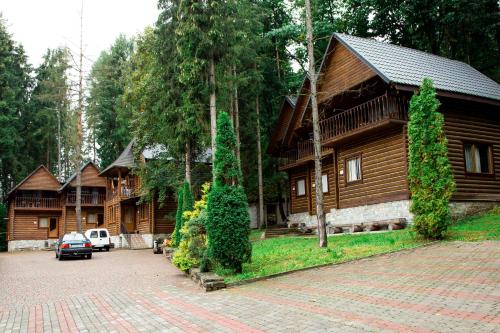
(129, 218)
(53, 227)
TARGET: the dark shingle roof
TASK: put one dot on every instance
(401, 65)
(125, 160)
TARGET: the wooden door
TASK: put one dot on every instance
(129, 218)
(53, 227)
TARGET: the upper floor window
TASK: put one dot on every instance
(353, 169)
(478, 158)
(301, 187)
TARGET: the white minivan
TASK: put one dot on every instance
(99, 238)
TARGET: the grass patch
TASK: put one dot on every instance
(277, 255)
(255, 234)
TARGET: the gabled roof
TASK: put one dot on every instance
(405, 66)
(73, 176)
(125, 160)
(30, 175)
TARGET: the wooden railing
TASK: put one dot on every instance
(126, 191)
(369, 113)
(304, 151)
(86, 199)
(33, 202)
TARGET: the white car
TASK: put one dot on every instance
(99, 238)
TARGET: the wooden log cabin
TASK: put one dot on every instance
(130, 221)
(364, 88)
(41, 209)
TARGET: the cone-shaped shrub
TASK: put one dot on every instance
(228, 220)
(185, 203)
(429, 171)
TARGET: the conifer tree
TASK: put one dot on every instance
(185, 203)
(228, 219)
(429, 171)
(176, 235)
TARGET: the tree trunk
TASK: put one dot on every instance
(213, 111)
(323, 240)
(188, 162)
(78, 208)
(59, 173)
(237, 120)
(259, 167)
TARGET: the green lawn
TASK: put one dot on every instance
(276, 255)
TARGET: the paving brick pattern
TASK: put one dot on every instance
(453, 287)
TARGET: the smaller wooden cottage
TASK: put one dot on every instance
(132, 222)
(34, 211)
(93, 194)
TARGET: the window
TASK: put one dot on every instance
(324, 182)
(103, 233)
(43, 222)
(301, 187)
(91, 218)
(93, 234)
(353, 169)
(477, 158)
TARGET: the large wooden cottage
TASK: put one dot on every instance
(41, 209)
(364, 88)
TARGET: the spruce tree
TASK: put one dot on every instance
(429, 171)
(228, 219)
(176, 235)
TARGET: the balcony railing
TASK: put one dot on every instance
(86, 199)
(366, 114)
(33, 202)
(126, 191)
(304, 151)
(370, 113)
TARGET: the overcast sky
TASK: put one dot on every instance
(42, 24)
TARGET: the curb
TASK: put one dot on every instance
(276, 275)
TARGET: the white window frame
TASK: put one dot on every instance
(300, 193)
(353, 176)
(324, 183)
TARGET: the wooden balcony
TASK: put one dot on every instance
(373, 115)
(37, 203)
(303, 153)
(87, 199)
(126, 192)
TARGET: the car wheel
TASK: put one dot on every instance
(89, 256)
(107, 248)
(57, 255)
(60, 257)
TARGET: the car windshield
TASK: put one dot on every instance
(74, 237)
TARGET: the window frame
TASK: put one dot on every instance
(491, 162)
(351, 157)
(43, 217)
(297, 187)
(87, 221)
(327, 182)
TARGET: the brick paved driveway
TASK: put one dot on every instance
(452, 287)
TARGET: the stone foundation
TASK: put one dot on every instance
(387, 211)
(30, 245)
(459, 209)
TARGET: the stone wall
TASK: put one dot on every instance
(387, 211)
(30, 245)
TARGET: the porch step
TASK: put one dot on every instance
(134, 242)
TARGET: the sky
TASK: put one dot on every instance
(42, 24)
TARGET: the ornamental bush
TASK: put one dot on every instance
(228, 223)
(192, 250)
(429, 171)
